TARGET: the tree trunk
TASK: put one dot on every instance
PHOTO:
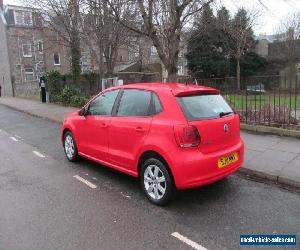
(238, 74)
(172, 73)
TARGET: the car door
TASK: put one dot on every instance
(94, 131)
(129, 127)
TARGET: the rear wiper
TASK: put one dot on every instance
(225, 113)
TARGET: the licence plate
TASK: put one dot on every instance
(226, 160)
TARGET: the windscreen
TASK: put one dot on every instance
(199, 107)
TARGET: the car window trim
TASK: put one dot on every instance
(153, 104)
(117, 103)
(102, 93)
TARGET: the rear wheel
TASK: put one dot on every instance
(156, 181)
(70, 147)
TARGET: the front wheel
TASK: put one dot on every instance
(156, 181)
(70, 147)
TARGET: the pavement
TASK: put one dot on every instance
(45, 202)
(267, 157)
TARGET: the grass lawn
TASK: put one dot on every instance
(241, 101)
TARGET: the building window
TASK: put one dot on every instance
(23, 17)
(27, 50)
(153, 51)
(40, 46)
(29, 75)
(84, 67)
(181, 53)
(56, 58)
(180, 71)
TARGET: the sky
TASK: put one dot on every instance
(271, 12)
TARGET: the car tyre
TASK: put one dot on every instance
(70, 147)
(156, 181)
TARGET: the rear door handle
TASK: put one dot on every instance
(139, 129)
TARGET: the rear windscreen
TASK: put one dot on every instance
(199, 107)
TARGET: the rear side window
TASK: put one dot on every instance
(199, 107)
(102, 105)
(134, 103)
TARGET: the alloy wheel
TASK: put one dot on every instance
(154, 182)
(69, 146)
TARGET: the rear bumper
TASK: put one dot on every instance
(196, 169)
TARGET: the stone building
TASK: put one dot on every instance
(143, 52)
(32, 47)
(5, 79)
(26, 55)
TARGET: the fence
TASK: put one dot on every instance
(272, 100)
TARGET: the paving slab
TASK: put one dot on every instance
(264, 166)
(259, 142)
(251, 154)
(288, 145)
(274, 155)
(51, 112)
(291, 173)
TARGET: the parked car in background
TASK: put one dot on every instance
(171, 136)
(258, 89)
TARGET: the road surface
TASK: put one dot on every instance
(48, 203)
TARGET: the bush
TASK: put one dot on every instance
(91, 78)
(67, 94)
(54, 85)
(72, 97)
(78, 101)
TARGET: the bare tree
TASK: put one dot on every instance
(241, 33)
(162, 21)
(288, 33)
(86, 23)
(103, 34)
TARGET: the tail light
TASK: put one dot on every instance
(187, 136)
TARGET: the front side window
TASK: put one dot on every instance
(27, 50)
(103, 104)
(134, 103)
(199, 107)
(56, 59)
(29, 75)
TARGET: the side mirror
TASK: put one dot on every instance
(84, 111)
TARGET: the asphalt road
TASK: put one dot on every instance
(43, 206)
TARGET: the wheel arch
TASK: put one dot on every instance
(65, 130)
(153, 154)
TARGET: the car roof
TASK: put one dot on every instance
(177, 89)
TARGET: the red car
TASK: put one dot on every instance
(171, 136)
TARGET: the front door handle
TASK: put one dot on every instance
(103, 125)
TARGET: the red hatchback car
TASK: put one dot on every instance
(171, 136)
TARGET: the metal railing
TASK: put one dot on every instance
(272, 100)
